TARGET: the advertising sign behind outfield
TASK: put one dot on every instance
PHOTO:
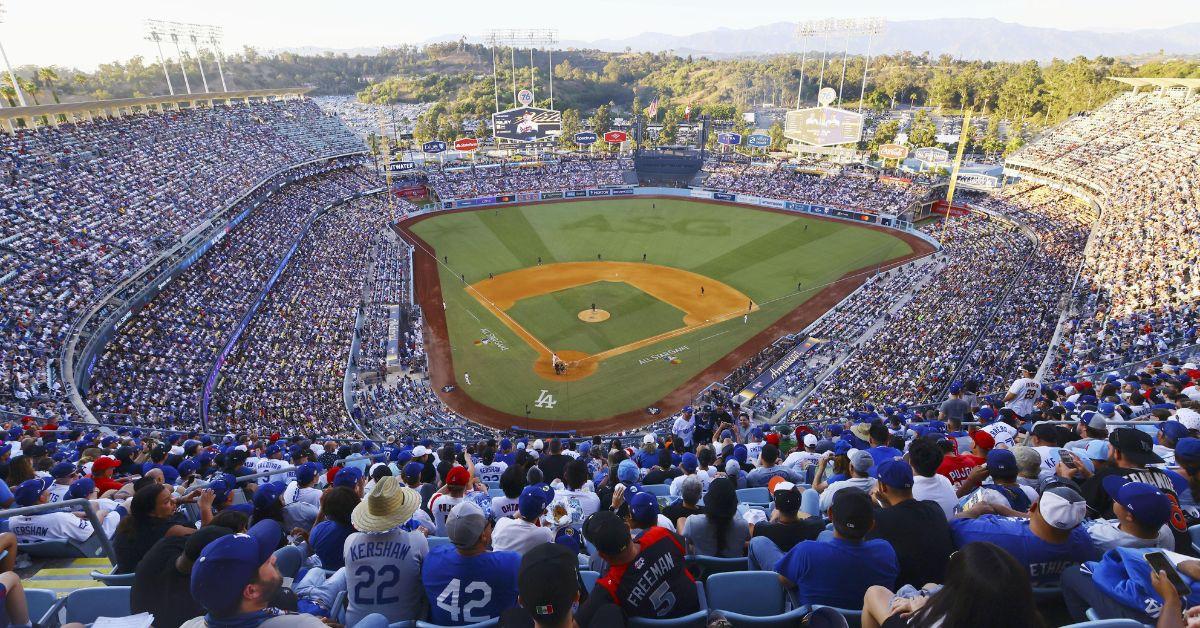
(401, 166)
(583, 138)
(526, 124)
(823, 126)
(758, 140)
(893, 151)
(434, 146)
(931, 155)
(466, 144)
(616, 137)
(729, 139)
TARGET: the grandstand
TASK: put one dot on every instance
(210, 317)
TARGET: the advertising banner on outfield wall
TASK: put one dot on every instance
(598, 192)
(760, 384)
(724, 196)
(546, 196)
(524, 197)
(622, 191)
(702, 193)
(575, 193)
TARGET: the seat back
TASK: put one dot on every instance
(704, 566)
(39, 601)
(495, 492)
(288, 560)
(435, 541)
(698, 619)
(853, 617)
(658, 490)
(483, 624)
(85, 605)
(114, 580)
(1194, 533)
(51, 549)
(756, 593)
(1108, 623)
(758, 496)
(589, 579)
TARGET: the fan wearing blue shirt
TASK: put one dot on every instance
(838, 572)
(878, 435)
(466, 583)
(1048, 542)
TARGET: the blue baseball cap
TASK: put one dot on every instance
(627, 471)
(569, 538)
(1174, 430)
(268, 493)
(533, 500)
(306, 473)
(985, 414)
(894, 473)
(955, 388)
(740, 452)
(690, 462)
(170, 475)
(505, 444)
(62, 470)
(229, 563)
(348, 477)
(1002, 462)
(81, 488)
(643, 507)
(1107, 409)
(108, 440)
(272, 450)
(1096, 450)
(1148, 505)
(413, 470)
(841, 448)
(188, 467)
(30, 491)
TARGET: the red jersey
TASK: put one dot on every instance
(957, 468)
(106, 484)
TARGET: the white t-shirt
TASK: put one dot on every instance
(58, 492)
(753, 450)
(1026, 391)
(58, 526)
(996, 498)
(677, 482)
(1106, 535)
(1002, 433)
(440, 504)
(801, 459)
(504, 506)
(684, 429)
(584, 503)
(936, 489)
(309, 495)
(491, 472)
(865, 484)
(518, 535)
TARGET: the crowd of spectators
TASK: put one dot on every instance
(849, 190)
(565, 173)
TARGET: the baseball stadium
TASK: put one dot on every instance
(742, 323)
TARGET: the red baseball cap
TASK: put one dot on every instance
(983, 439)
(773, 438)
(105, 462)
(458, 476)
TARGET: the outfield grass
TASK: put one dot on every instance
(554, 317)
(763, 254)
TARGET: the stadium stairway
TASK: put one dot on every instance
(64, 575)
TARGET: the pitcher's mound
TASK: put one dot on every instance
(593, 316)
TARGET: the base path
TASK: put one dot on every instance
(704, 301)
(428, 289)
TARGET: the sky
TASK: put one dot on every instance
(84, 34)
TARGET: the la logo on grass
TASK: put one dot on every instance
(545, 400)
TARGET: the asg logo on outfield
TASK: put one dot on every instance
(545, 400)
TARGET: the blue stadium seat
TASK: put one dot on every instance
(758, 496)
(401, 624)
(589, 579)
(495, 492)
(698, 619)
(375, 620)
(337, 610)
(658, 490)
(1043, 594)
(288, 560)
(1108, 623)
(492, 484)
(483, 624)
(823, 617)
(85, 605)
(704, 566)
(39, 601)
(853, 617)
(112, 579)
(755, 593)
(435, 541)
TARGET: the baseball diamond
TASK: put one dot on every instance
(719, 281)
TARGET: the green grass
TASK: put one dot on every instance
(554, 318)
(763, 254)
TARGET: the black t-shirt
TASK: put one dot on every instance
(159, 588)
(552, 467)
(130, 548)
(677, 510)
(919, 533)
(1098, 499)
(656, 584)
(659, 476)
(787, 535)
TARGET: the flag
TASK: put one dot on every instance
(687, 113)
(652, 110)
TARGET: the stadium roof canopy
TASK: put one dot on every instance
(1191, 84)
(118, 107)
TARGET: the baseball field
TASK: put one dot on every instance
(584, 314)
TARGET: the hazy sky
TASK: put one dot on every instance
(84, 34)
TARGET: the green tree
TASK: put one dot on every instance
(885, 133)
(922, 132)
(778, 141)
(49, 78)
(570, 126)
(602, 119)
(670, 130)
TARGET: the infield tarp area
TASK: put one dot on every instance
(791, 268)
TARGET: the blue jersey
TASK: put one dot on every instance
(1045, 561)
(468, 590)
(838, 572)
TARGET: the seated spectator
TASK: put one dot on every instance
(1131, 451)
(55, 526)
(303, 488)
(917, 530)
(984, 586)
(719, 531)
(688, 503)
(512, 482)
(770, 540)
(161, 584)
(464, 581)
(1140, 511)
(449, 496)
(1004, 492)
(235, 580)
(838, 572)
(578, 498)
(548, 589)
(1046, 543)
(768, 468)
(15, 607)
(327, 539)
(151, 517)
(102, 474)
(689, 464)
(525, 531)
(382, 551)
(654, 563)
(925, 456)
(860, 478)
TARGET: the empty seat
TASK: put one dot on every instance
(658, 490)
(589, 579)
(752, 598)
(112, 579)
(704, 566)
(85, 605)
(853, 617)
(435, 541)
(758, 496)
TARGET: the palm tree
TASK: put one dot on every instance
(9, 93)
(30, 88)
(49, 77)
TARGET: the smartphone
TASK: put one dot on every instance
(1159, 562)
(1067, 458)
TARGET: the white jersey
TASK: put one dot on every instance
(309, 495)
(684, 429)
(268, 465)
(1026, 391)
(504, 507)
(800, 459)
(58, 526)
(440, 505)
(753, 450)
(1002, 433)
(58, 492)
(491, 472)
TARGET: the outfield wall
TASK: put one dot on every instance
(878, 219)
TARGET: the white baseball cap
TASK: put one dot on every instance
(783, 486)
(810, 440)
(1189, 417)
(1062, 507)
(419, 451)
(649, 438)
(538, 445)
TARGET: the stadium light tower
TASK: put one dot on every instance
(174, 31)
(521, 38)
(826, 28)
(154, 32)
(11, 75)
(214, 36)
(194, 31)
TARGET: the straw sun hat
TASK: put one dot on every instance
(387, 506)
